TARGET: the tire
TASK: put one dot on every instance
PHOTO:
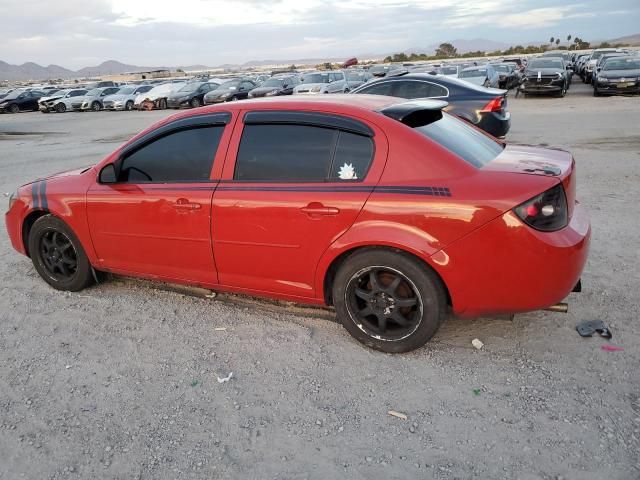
(128, 106)
(195, 102)
(562, 92)
(384, 326)
(61, 108)
(58, 256)
(596, 93)
(14, 108)
(96, 107)
(162, 104)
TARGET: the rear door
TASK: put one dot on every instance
(155, 220)
(293, 182)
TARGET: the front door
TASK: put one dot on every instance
(288, 191)
(155, 220)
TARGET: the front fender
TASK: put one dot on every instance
(376, 233)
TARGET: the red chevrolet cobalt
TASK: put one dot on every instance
(391, 211)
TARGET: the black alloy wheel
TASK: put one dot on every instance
(128, 106)
(195, 102)
(14, 108)
(58, 256)
(96, 107)
(389, 300)
(61, 108)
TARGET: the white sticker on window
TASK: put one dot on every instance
(347, 172)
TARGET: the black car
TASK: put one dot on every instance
(279, 85)
(545, 75)
(190, 95)
(618, 75)
(486, 108)
(230, 91)
(20, 101)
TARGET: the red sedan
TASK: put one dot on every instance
(392, 212)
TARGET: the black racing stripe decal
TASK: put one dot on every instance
(401, 190)
(34, 195)
(43, 195)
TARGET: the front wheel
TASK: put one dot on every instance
(14, 108)
(195, 103)
(58, 256)
(96, 107)
(128, 106)
(61, 108)
(162, 104)
(388, 300)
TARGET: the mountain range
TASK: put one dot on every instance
(33, 71)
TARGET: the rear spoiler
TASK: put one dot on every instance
(416, 113)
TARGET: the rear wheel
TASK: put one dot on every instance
(58, 256)
(388, 300)
(162, 104)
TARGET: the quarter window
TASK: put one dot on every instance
(180, 156)
(301, 153)
(418, 90)
(383, 88)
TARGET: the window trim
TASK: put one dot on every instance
(309, 118)
(334, 148)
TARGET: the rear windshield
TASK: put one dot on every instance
(465, 141)
(476, 72)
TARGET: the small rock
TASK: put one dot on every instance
(369, 459)
(412, 429)
(107, 449)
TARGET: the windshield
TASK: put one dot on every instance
(190, 87)
(449, 70)
(316, 78)
(622, 64)
(231, 85)
(94, 93)
(502, 68)
(546, 63)
(273, 82)
(126, 91)
(13, 94)
(463, 140)
(479, 72)
(597, 55)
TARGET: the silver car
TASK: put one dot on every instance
(483, 75)
(93, 99)
(124, 98)
(322, 82)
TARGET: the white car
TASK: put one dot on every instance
(158, 95)
(124, 98)
(61, 100)
(322, 82)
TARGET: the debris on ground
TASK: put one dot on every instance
(220, 329)
(225, 379)
(476, 391)
(211, 295)
(611, 348)
(393, 413)
(477, 343)
(194, 383)
(589, 327)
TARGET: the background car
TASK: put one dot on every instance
(483, 75)
(590, 64)
(486, 108)
(449, 70)
(355, 78)
(508, 75)
(20, 100)
(60, 101)
(93, 99)
(275, 86)
(157, 96)
(618, 75)
(124, 98)
(322, 82)
(191, 94)
(230, 91)
(545, 75)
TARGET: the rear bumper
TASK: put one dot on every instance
(508, 267)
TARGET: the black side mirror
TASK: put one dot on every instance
(108, 174)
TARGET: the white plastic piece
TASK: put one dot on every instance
(225, 379)
(477, 343)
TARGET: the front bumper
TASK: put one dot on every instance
(535, 87)
(508, 267)
(627, 87)
(113, 106)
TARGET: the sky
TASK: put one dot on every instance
(79, 33)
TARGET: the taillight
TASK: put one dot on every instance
(494, 105)
(546, 212)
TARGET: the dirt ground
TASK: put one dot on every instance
(120, 381)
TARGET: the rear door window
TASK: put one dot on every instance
(178, 157)
(301, 153)
(383, 88)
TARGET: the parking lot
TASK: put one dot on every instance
(120, 381)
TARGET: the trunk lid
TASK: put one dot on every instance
(548, 162)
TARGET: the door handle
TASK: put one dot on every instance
(317, 208)
(184, 204)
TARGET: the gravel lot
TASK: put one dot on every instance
(120, 381)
